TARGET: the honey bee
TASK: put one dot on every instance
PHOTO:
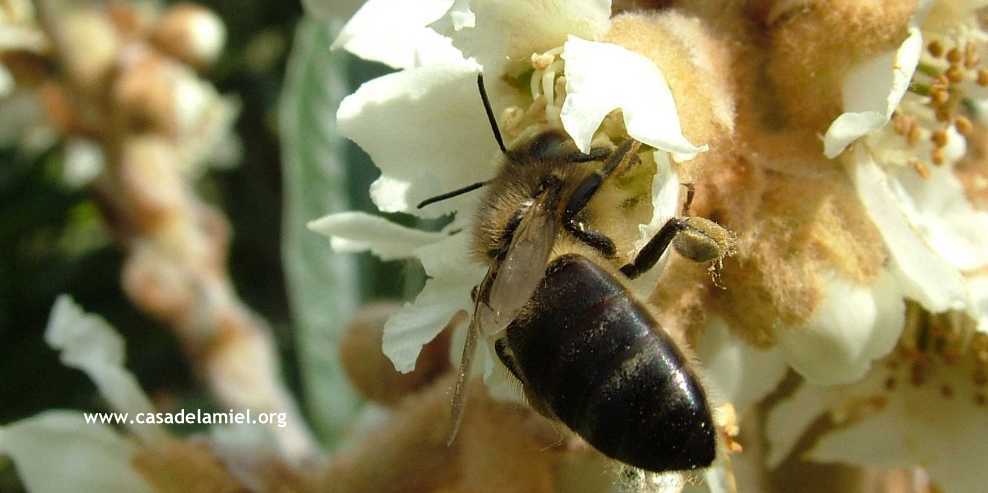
(587, 352)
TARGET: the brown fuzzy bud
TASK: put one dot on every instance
(813, 49)
(150, 181)
(695, 63)
(371, 372)
(190, 33)
(156, 93)
(90, 47)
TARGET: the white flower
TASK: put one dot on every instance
(904, 118)
(426, 130)
(852, 326)
(925, 411)
(58, 451)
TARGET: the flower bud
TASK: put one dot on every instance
(90, 47)
(150, 180)
(815, 43)
(371, 372)
(155, 93)
(191, 33)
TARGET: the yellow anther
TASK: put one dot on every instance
(920, 169)
(983, 77)
(955, 73)
(940, 96)
(914, 135)
(963, 125)
(939, 137)
(937, 156)
(935, 48)
(954, 56)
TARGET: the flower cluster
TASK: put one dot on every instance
(858, 257)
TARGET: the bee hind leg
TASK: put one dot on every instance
(653, 250)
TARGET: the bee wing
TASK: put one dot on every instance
(517, 276)
(466, 360)
(505, 290)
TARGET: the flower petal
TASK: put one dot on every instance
(853, 326)
(508, 32)
(351, 232)
(452, 276)
(789, 419)
(59, 452)
(426, 130)
(89, 344)
(665, 205)
(872, 91)
(602, 77)
(938, 208)
(924, 275)
(735, 371)
(979, 296)
(917, 426)
(395, 33)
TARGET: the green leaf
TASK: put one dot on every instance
(324, 289)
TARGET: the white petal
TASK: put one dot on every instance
(510, 31)
(415, 324)
(351, 232)
(395, 32)
(789, 419)
(602, 77)
(853, 326)
(918, 427)
(924, 275)
(462, 16)
(58, 452)
(939, 210)
(452, 276)
(735, 371)
(979, 295)
(665, 205)
(426, 130)
(89, 344)
(872, 90)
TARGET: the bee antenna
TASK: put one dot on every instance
(451, 194)
(490, 113)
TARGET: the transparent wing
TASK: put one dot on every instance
(505, 290)
(466, 361)
(523, 268)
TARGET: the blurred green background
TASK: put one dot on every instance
(53, 240)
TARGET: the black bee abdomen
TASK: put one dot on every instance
(602, 364)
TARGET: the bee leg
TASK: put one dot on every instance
(585, 191)
(653, 250)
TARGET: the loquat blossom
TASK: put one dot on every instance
(425, 129)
